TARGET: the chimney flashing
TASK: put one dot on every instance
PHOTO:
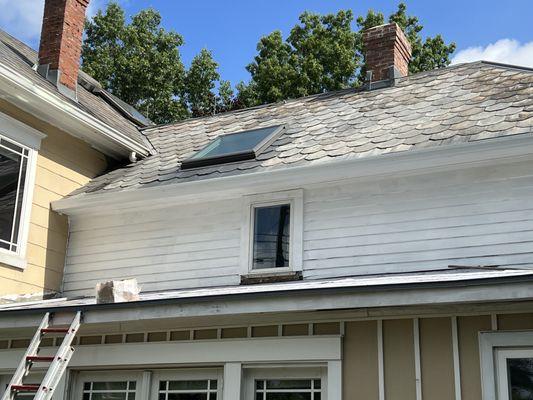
(53, 76)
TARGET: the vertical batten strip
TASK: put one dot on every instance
(418, 369)
(456, 361)
(494, 322)
(381, 367)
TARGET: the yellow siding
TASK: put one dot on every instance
(64, 164)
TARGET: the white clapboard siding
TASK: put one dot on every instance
(475, 216)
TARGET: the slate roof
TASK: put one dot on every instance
(461, 103)
(20, 57)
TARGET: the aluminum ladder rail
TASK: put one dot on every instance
(58, 363)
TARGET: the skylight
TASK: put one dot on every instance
(239, 146)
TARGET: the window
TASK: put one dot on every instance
(188, 390)
(233, 147)
(272, 233)
(13, 181)
(288, 389)
(271, 236)
(115, 390)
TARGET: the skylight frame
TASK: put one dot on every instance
(236, 156)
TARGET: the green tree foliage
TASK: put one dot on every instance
(138, 62)
(200, 83)
(324, 52)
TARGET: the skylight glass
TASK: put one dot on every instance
(234, 147)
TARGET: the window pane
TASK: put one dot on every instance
(187, 385)
(520, 372)
(271, 237)
(110, 385)
(289, 384)
(187, 396)
(108, 396)
(288, 396)
(235, 143)
(11, 166)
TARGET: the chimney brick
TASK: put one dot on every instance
(386, 46)
(61, 40)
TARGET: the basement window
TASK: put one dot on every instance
(233, 147)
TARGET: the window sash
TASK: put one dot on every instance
(254, 243)
(264, 390)
(22, 153)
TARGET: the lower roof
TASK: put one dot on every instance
(376, 283)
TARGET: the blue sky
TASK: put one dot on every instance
(230, 29)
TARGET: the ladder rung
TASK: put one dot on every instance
(25, 388)
(40, 358)
(55, 330)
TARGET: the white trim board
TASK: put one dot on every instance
(20, 132)
(282, 350)
(52, 108)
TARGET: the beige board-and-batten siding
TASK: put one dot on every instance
(361, 358)
(64, 163)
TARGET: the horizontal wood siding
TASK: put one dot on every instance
(64, 164)
(188, 246)
(476, 216)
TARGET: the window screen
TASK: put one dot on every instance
(271, 240)
(13, 167)
(288, 389)
(233, 147)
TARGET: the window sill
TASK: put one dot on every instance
(13, 260)
(271, 277)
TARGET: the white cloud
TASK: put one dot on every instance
(508, 51)
(23, 18)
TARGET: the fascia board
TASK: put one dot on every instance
(53, 109)
(452, 157)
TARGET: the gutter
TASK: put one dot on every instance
(485, 152)
(52, 100)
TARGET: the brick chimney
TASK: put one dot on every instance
(61, 39)
(387, 52)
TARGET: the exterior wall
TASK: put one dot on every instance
(379, 357)
(64, 163)
(476, 216)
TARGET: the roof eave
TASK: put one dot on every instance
(490, 151)
(51, 108)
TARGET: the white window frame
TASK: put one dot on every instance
(295, 200)
(267, 372)
(26, 137)
(501, 368)
(108, 376)
(493, 348)
(185, 375)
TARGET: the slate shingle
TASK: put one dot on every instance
(462, 103)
